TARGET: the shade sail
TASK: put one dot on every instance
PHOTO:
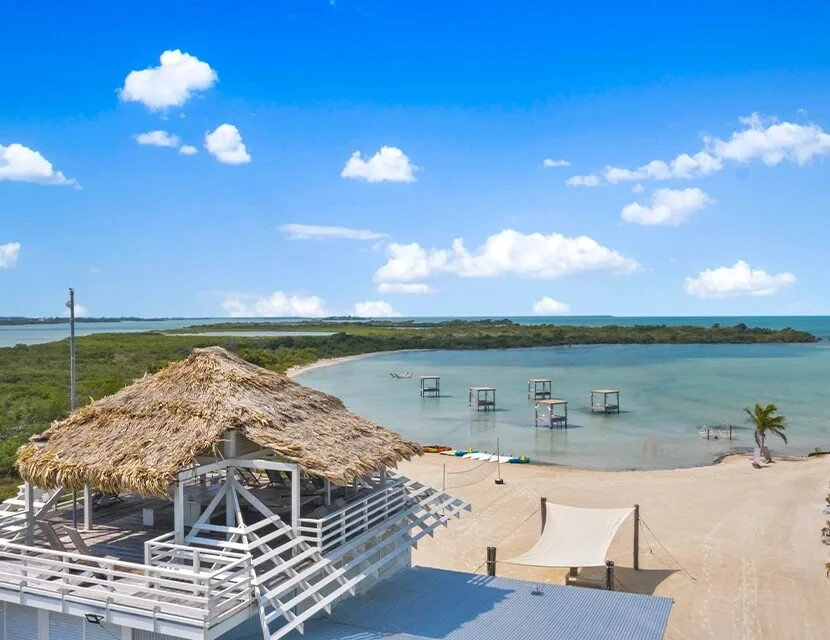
(574, 537)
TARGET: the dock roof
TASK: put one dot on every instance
(432, 604)
(139, 438)
(604, 391)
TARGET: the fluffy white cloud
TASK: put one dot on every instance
(275, 305)
(547, 306)
(762, 139)
(414, 288)
(310, 231)
(158, 138)
(669, 207)
(390, 164)
(772, 144)
(377, 309)
(80, 311)
(638, 188)
(552, 164)
(225, 144)
(582, 181)
(19, 163)
(8, 254)
(738, 280)
(507, 252)
(188, 150)
(170, 84)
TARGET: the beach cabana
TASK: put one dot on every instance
(257, 470)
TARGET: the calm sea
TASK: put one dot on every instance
(36, 333)
(666, 392)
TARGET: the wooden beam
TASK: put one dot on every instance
(269, 465)
(87, 508)
(29, 506)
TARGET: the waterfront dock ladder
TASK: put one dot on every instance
(538, 388)
(604, 406)
(548, 412)
(430, 386)
(482, 398)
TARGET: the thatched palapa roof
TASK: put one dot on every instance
(139, 438)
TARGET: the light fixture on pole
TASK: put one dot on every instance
(71, 306)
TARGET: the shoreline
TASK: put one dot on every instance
(297, 369)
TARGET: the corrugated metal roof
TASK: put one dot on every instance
(433, 604)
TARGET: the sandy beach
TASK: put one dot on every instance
(327, 362)
(737, 548)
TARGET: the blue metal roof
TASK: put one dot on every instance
(433, 604)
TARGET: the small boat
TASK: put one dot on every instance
(435, 448)
(401, 376)
(465, 453)
(451, 452)
(519, 460)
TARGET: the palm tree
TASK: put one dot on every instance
(765, 420)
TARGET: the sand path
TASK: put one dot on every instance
(737, 548)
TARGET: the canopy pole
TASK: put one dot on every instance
(636, 537)
(327, 497)
(230, 454)
(295, 500)
(544, 509)
(178, 511)
(609, 575)
(87, 508)
(29, 505)
(491, 562)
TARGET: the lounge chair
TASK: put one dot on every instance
(57, 544)
(248, 477)
(278, 479)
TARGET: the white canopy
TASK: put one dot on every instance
(574, 537)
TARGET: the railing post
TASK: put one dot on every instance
(491, 562)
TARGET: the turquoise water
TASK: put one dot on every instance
(37, 333)
(666, 392)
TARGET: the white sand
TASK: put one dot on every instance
(327, 362)
(748, 538)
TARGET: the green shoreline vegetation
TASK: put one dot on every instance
(34, 379)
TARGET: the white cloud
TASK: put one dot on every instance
(638, 188)
(80, 311)
(399, 287)
(171, 84)
(552, 164)
(225, 144)
(669, 207)
(547, 306)
(19, 163)
(762, 139)
(188, 150)
(158, 139)
(582, 181)
(276, 305)
(8, 255)
(390, 164)
(772, 144)
(738, 280)
(377, 309)
(508, 252)
(310, 231)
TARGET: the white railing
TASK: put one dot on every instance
(338, 527)
(175, 592)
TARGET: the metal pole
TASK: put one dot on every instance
(544, 508)
(636, 537)
(71, 306)
(609, 575)
(499, 479)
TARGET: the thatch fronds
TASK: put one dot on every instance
(139, 438)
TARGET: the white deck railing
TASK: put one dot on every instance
(336, 528)
(170, 591)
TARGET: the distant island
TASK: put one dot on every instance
(19, 320)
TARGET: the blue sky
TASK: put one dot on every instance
(448, 209)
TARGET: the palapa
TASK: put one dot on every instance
(140, 438)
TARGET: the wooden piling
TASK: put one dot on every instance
(491, 562)
(609, 575)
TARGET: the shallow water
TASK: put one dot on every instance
(666, 392)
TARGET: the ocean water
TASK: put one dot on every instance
(667, 391)
(11, 335)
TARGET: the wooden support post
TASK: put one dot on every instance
(491, 562)
(327, 497)
(609, 575)
(230, 476)
(295, 500)
(87, 508)
(29, 506)
(383, 477)
(636, 537)
(178, 512)
(544, 510)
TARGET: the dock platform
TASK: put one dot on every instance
(605, 406)
(552, 418)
